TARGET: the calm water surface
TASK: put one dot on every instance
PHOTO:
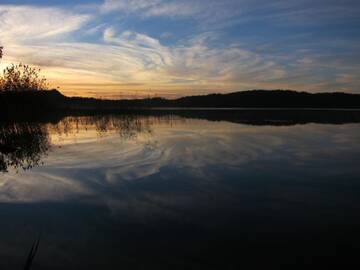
(146, 192)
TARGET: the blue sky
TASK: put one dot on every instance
(126, 48)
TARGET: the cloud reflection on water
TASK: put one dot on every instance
(133, 191)
(96, 158)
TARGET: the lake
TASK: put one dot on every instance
(183, 190)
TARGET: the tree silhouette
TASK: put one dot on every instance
(22, 78)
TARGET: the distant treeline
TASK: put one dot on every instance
(29, 101)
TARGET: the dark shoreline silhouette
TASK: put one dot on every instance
(52, 100)
(24, 115)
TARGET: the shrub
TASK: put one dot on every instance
(22, 78)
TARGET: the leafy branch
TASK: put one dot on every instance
(21, 78)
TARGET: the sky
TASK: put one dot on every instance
(173, 48)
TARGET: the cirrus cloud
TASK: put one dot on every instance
(127, 46)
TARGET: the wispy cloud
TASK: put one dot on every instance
(219, 49)
(126, 58)
(150, 8)
(24, 23)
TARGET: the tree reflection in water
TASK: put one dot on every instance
(24, 144)
(126, 126)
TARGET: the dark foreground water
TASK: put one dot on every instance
(173, 192)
